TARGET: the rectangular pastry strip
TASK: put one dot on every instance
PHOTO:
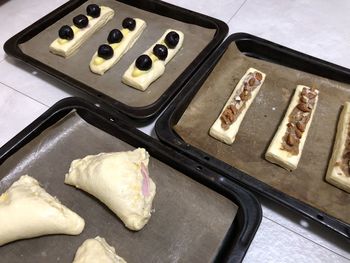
(226, 126)
(338, 168)
(288, 143)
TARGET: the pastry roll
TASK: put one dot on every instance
(287, 145)
(119, 42)
(120, 180)
(338, 172)
(27, 211)
(151, 64)
(96, 250)
(226, 126)
(72, 37)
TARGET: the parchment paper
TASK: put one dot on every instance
(189, 223)
(307, 182)
(77, 66)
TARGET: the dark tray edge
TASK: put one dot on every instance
(139, 115)
(249, 214)
(174, 112)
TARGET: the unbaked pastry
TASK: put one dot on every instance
(287, 145)
(153, 61)
(100, 63)
(120, 180)
(97, 250)
(67, 46)
(226, 126)
(27, 211)
(338, 167)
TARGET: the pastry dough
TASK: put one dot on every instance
(65, 48)
(27, 211)
(120, 180)
(335, 174)
(228, 136)
(143, 80)
(100, 66)
(96, 250)
(275, 153)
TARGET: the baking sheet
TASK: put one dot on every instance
(189, 223)
(77, 66)
(307, 182)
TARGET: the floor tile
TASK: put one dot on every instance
(310, 26)
(274, 243)
(16, 112)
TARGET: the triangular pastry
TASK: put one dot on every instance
(27, 210)
(120, 180)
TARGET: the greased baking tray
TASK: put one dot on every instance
(199, 215)
(186, 123)
(202, 35)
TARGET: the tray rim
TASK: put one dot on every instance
(165, 123)
(236, 241)
(139, 115)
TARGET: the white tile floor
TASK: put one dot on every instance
(319, 28)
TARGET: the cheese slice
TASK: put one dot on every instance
(27, 211)
(142, 80)
(120, 180)
(275, 153)
(97, 250)
(67, 48)
(228, 136)
(335, 175)
(119, 49)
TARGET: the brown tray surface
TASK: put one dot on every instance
(189, 223)
(307, 182)
(77, 66)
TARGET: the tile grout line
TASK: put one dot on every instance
(307, 238)
(237, 11)
(25, 94)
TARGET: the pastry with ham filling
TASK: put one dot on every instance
(120, 180)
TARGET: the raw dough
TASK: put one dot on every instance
(335, 175)
(228, 136)
(27, 211)
(68, 47)
(96, 250)
(275, 153)
(129, 39)
(142, 81)
(120, 180)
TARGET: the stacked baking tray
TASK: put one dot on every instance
(185, 125)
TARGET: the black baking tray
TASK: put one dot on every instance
(259, 48)
(140, 115)
(242, 230)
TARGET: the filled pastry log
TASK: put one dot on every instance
(119, 42)
(288, 143)
(120, 180)
(226, 126)
(27, 211)
(70, 38)
(338, 172)
(151, 64)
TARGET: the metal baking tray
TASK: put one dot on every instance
(186, 122)
(199, 216)
(202, 35)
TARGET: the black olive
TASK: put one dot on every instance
(129, 23)
(80, 21)
(160, 51)
(105, 51)
(93, 10)
(66, 32)
(143, 62)
(115, 36)
(172, 39)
